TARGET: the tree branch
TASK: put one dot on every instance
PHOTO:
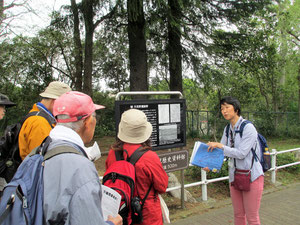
(109, 15)
(294, 35)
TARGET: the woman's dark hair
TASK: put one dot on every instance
(232, 101)
(119, 145)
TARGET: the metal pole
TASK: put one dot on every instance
(204, 185)
(182, 188)
(287, 123)
(207, 123)
(192, 124)
(273, 163)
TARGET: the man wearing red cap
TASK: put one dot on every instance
(36, 128)
(72, 189)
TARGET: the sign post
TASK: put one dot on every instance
(177, 160)
(168, 119)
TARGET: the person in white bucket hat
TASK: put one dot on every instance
(36, 128)
(134, 135)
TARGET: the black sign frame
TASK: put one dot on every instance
(153, 108)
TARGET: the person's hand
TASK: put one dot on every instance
(212, 145)
(116, 220)
(206, 169)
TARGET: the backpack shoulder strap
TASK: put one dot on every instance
(43, 149)
(119, 154)
(242, 126)
(144, 199)
(137, 155)
(227, 130)
(39, 113)
(133, 159)
(60, 150)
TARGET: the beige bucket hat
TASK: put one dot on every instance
(55, 89)
(134, 127)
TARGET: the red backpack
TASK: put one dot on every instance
(120, 176)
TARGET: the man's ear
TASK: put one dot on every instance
(87, 121)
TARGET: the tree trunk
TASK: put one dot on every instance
(1, 10)
(174, 48)
(137, 47)
(88, 50)
(299, 93)
(77, 48)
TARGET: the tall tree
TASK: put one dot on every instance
(137, 46)
(88, 14)
(288, 40)
(77, 47)
(174, 47)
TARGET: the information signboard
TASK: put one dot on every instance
(173, 161)
(167, 116)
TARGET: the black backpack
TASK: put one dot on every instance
(264, 157)
(9, 146)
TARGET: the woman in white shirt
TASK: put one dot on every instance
(246, 203)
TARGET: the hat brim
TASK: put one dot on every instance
(99, 106)
(123, 136)
(7, 103)
(46, 95)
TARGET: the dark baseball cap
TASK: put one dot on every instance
(4, 100)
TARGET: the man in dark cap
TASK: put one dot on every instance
(4, 103)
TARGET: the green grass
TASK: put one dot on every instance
(283, 144)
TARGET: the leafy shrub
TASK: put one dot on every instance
(195, 172)
(105, 117)
(290, 131)
(287, 158)
(265, 128)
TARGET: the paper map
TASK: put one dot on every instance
(201, 157)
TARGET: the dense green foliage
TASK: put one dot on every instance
(247, 49)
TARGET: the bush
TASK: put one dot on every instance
(195, 172)
(287, 158)
(105, 117)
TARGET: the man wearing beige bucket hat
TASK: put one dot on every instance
(134, 135)
(36, 128)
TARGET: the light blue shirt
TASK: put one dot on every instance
(241, 151)
(72, 189)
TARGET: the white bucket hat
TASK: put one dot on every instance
(134, 127)
(55, 89)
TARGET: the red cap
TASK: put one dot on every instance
(76, 105)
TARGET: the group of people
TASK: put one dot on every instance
(72, 189)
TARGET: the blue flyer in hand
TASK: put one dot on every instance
(212, 159)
